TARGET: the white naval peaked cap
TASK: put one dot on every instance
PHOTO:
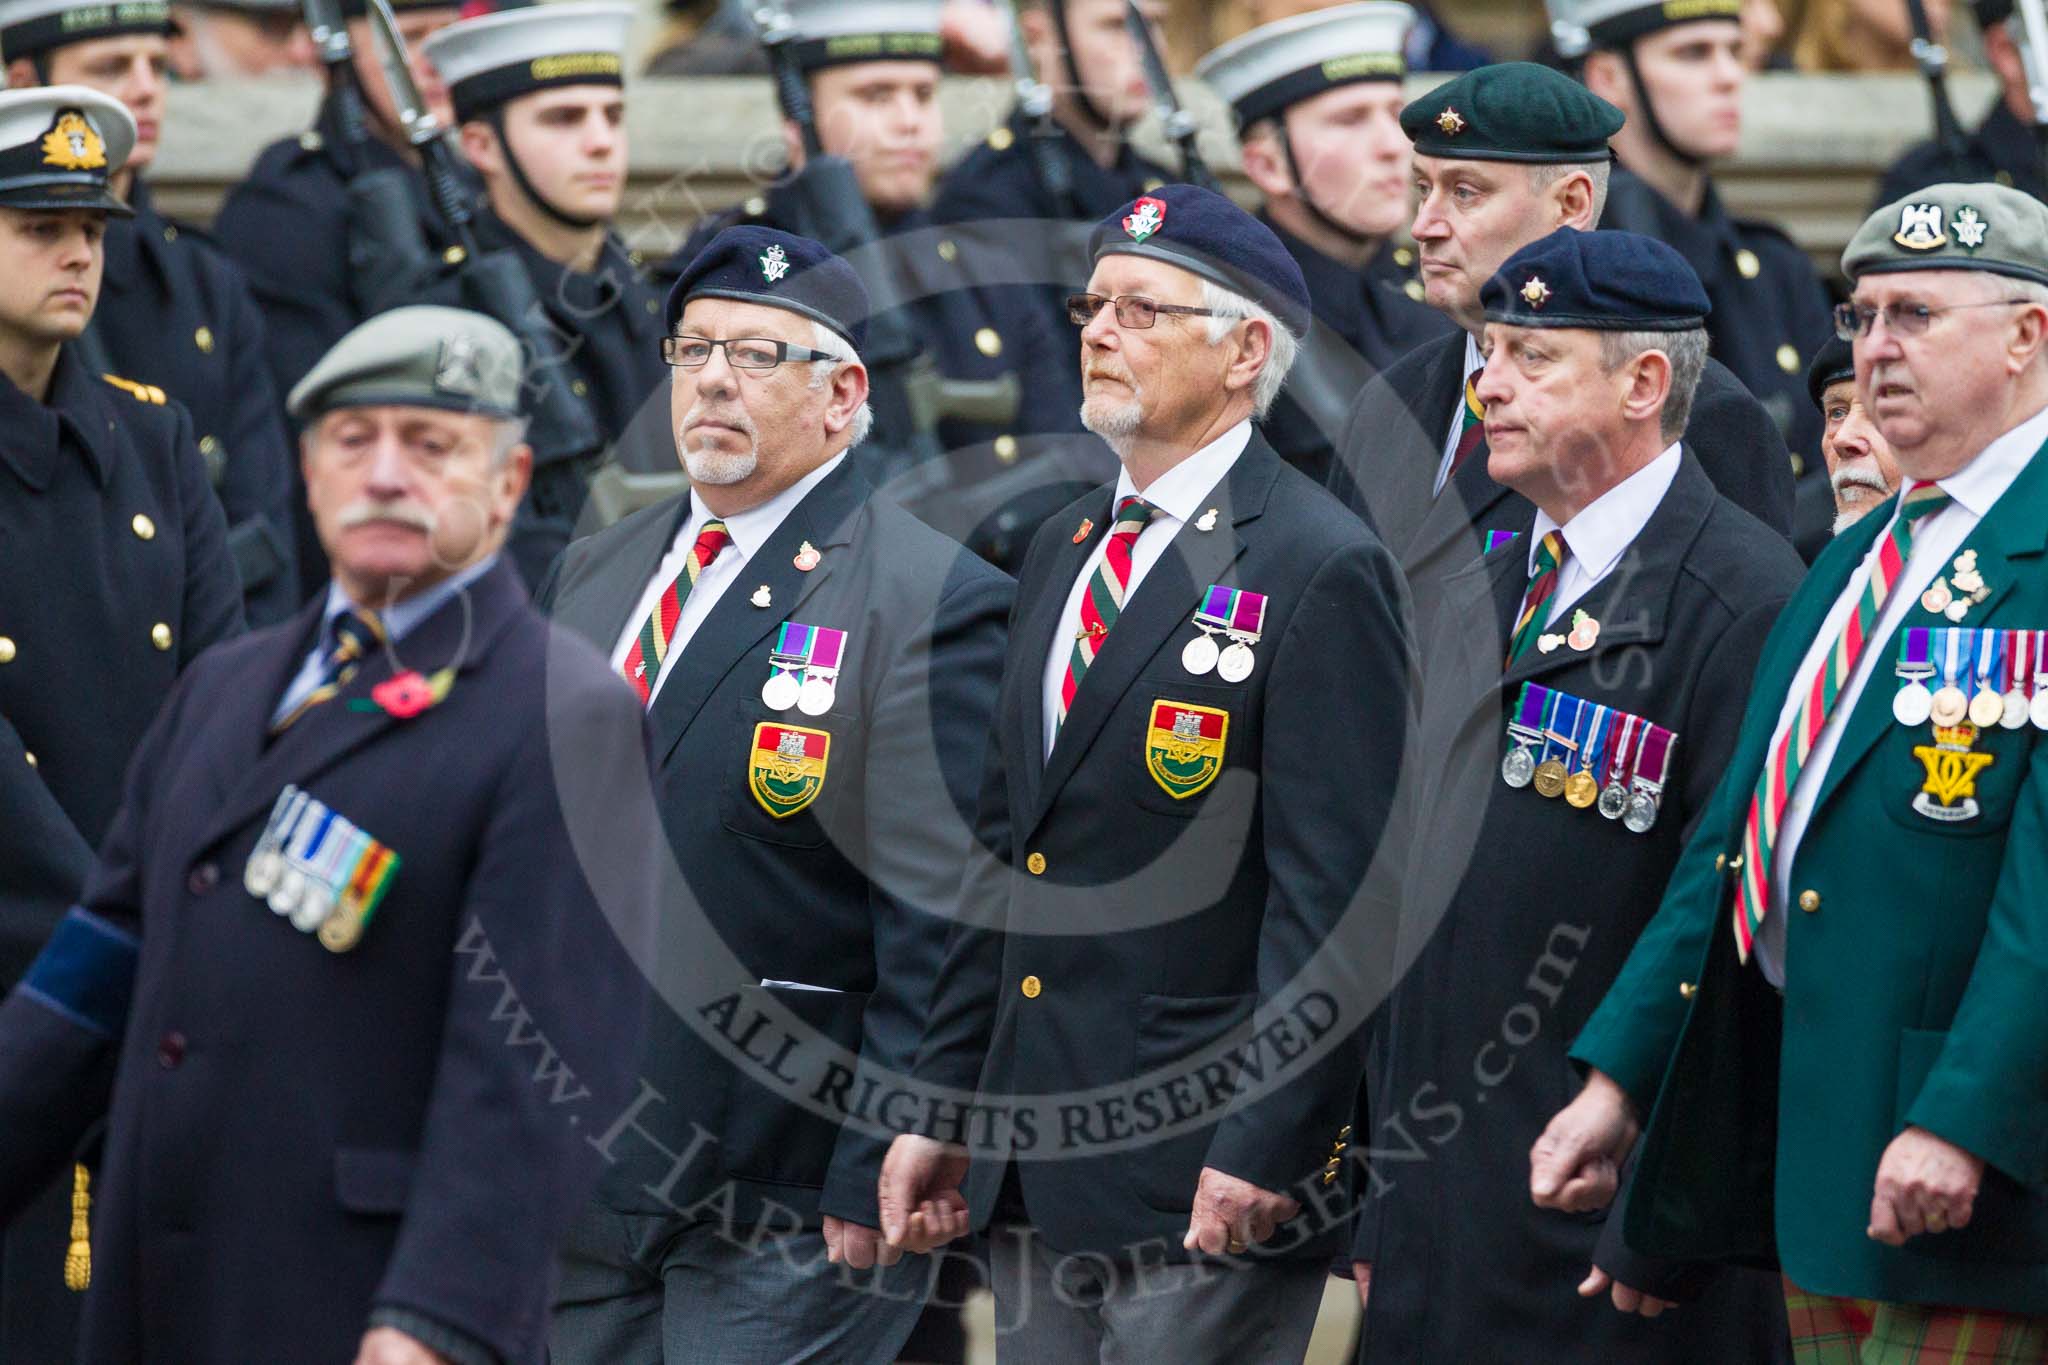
(1587, 24)
(1280, 64)
(498, 57)
(29, 27)
(59, 146)
(839, 32)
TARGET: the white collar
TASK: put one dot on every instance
(1983, 481)
(1474, 360)
(1179, 491)
(1608, 525)
(750, 529)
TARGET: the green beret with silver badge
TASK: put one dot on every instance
(1977, 226)
(417, 357)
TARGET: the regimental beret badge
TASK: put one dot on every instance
(774, 264)
(72, 145)
(1535, 293)
(1969, 228)
(1920, 228)
(1451, 121)
(1147, 216)
(459, 368)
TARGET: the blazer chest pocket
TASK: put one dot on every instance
(788, 774)
(1956, 781)
(2010, 1220)
(1185, 737)
(771, 1134)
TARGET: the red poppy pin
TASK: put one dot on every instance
(408, 694)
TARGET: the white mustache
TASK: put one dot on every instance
(1847, 477)
(397, 513)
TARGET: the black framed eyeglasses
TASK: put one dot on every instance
(742, 353)
(1132, 310)
(1853, 320)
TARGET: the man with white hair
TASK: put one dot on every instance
(819, 670)
(1862, 475)
(1831, 1038)
(1199, 739)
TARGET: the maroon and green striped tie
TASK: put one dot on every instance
(1104, 600)
(1550, 557)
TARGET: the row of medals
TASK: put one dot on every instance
(1551, 778)
(1233, 663)
(1989, 709)
(813, 695)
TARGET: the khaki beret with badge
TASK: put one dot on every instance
(417, 357)
(1978, 226)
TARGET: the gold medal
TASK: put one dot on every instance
(1950, 707)
(1581, 789)
(1987, 709)
(1550, 778)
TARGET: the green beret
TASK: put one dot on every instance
(1512, 111)
(1979, 226)
(418, 357)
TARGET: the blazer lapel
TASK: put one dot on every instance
(735, 625)
(1032, 641)
(601, 608)
(2013, 530)
(1165, 600)
(461, 632)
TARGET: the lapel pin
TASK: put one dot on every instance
(1585, 632)
(762, 596)
(1549, 644)
(807, 557)
(1208, 521)
(1087, 525)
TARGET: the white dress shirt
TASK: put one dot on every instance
(1178, 494)
(1603, 530)
(1474, 363)
(1936, 539)
(749, 530)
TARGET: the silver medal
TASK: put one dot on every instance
(259, 878)
(1518, 768)
(2040, 706)
(1236, 663)
(1913, 705)
(1642, 813)
(1614, 801)
(2015, 717)
(291, 887)
(306, 918)
(816, 698)
(1200, 654)
(780, 692)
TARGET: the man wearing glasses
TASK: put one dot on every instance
(819, 670)
(1197, 746)
(1831, 1037)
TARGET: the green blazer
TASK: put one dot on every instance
(1916, 993)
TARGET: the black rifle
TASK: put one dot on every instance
(1034, 101)
(566, 441)
(1179, 124)
(1932, 59)
(344, 92)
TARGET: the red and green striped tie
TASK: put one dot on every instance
(1550, 557)
(1104, 600)
(1471, 426)
(659, 633)
(1790, 751)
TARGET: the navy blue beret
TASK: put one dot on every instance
(1832, 363)
(779, 269)
(1607, 281)
(1204, 233)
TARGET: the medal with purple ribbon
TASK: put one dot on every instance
(1652, 769)
(1914, 703)
(1525, 731)
(1212, 618)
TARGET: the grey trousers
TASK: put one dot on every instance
(649, 1289)
(1086, 1309)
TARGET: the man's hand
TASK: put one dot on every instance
(1626, 1299)
(1575, 1166)
(1361, 1273)
(919, 1193)
(977, 38)
(860, 1247)
(1923, 1185)
(389, 1346)
(1232, 1215)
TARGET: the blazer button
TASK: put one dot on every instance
(144, 528)
(1809, 901)
(1006, 448)
(1035, 864)
(203, 879)
(1687, 989)
(160, 635)
(1031, 987)
(30, 757)
(170, 1050)
(6, 650)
